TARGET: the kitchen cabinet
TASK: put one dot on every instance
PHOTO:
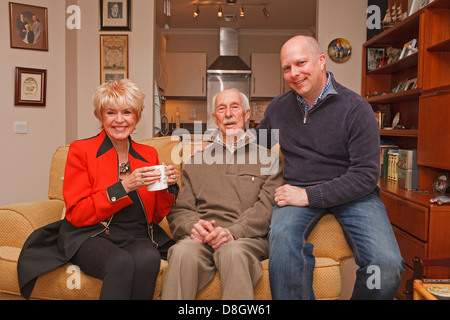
(186, 74)
(421, 228)
(267, 77)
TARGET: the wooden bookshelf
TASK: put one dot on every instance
(421, 228)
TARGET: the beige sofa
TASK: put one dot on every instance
(17, 221)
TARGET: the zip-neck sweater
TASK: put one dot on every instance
(333, 150)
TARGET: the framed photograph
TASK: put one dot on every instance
(415, 5)
(375, 57)
(113, 57)
(115, 15)
(28, 27)
(30, 87)
(401, 85)
(409, 48)
(411, 84)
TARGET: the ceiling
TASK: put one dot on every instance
(284, 14)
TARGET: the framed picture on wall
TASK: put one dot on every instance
(115, 15)
(28, 27)
(113, 57)
(30, 87)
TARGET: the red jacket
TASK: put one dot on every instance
(92, 190)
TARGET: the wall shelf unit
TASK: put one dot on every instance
(421, 228)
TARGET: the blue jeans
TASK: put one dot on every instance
(368, 233)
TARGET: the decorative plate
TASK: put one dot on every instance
(440, 292)
(339, 50)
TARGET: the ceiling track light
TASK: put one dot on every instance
(196, 13)
(220, 13)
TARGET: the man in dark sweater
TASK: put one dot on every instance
(330, 143)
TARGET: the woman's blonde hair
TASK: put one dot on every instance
(118, 93)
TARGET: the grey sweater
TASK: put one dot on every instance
(333, 150)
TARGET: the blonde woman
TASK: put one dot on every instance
(110, 229)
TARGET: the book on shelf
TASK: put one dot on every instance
(392, 165)
(384, 157)
(408, 170)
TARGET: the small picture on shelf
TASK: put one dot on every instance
(411, 84)
(375, 58)
(409, 48)
(401, 86)
(415, 6)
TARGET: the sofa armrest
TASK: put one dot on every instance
(17, 221)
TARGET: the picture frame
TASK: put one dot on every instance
(115, 15)
(375, 57)
(408, 48)
(28, 27)
(415, 6)
(401, 85)
(411, 84)
(113, 57)
(30, 87)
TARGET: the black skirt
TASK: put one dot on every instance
(54, 245)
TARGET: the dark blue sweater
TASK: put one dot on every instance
(333, 151)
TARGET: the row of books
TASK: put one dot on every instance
(399, 165)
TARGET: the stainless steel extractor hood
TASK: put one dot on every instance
(229, 60)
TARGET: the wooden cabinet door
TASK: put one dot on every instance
(186, 74)
(267, 78)
(434, 133)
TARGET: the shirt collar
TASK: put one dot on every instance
(246, 138)
(327, 90)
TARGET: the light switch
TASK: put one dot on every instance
(193, 113)
(21, 127)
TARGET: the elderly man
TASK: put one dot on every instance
(222, 215)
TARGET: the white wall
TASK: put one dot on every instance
(141, 41)
(25, 158)
(343, 19)
(72, 78)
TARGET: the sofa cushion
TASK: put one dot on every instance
(328, 239)
(327, 288)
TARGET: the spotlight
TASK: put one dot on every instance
(219, 12)
(266, 13)
(196, 13)
(241, 12)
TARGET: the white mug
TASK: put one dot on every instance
(161, 184)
